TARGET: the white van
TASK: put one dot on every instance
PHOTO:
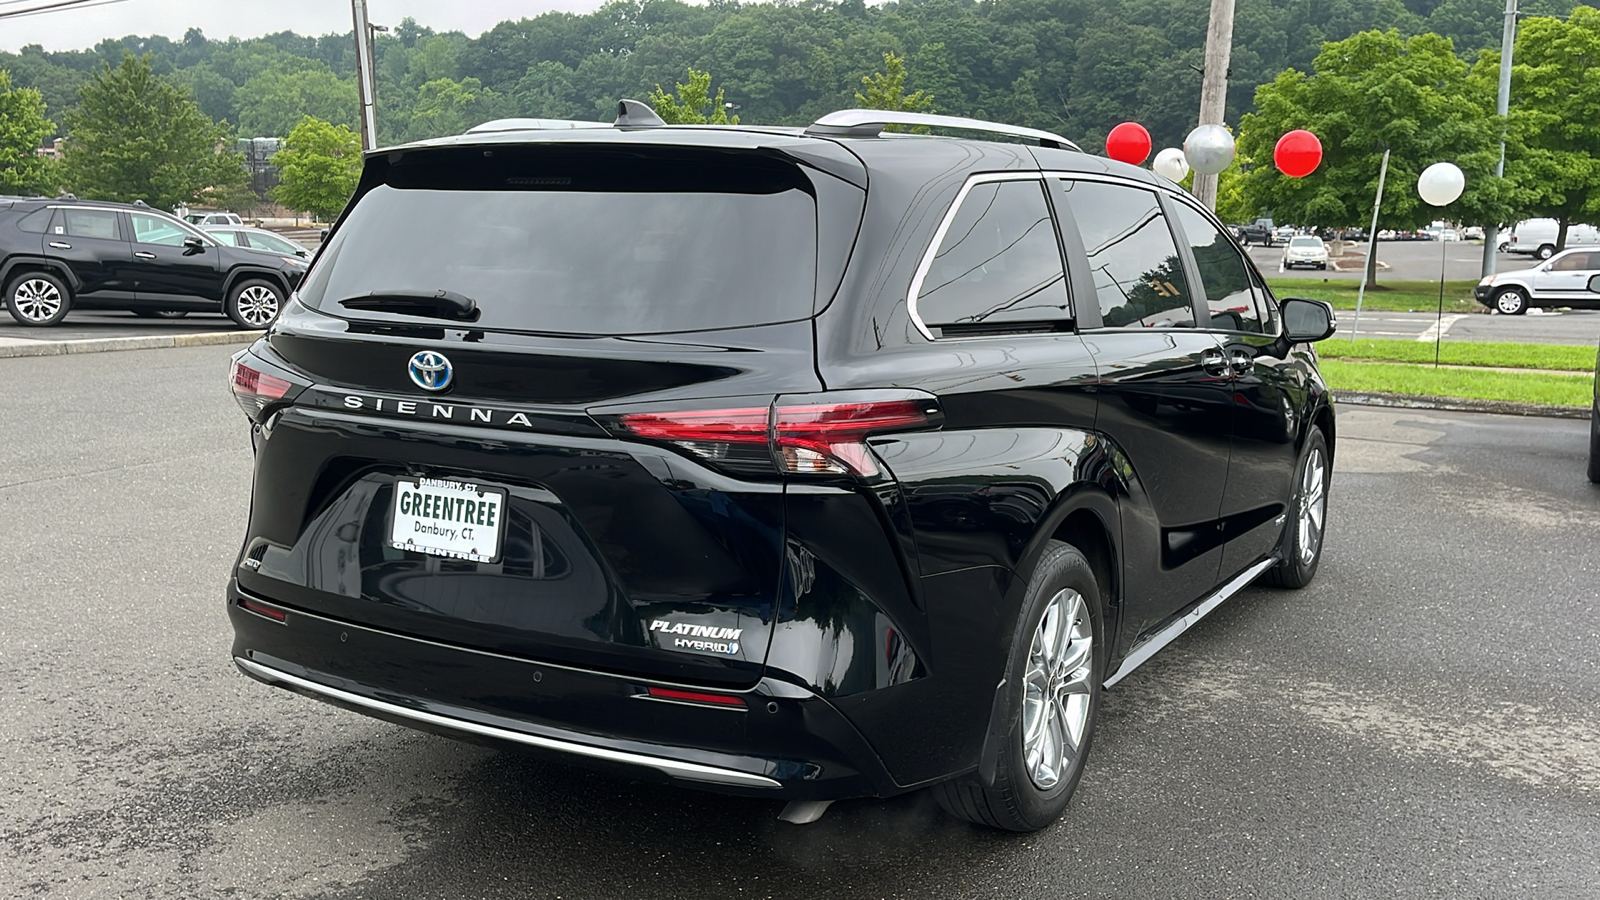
(1538, 237)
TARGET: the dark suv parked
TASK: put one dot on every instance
(799, 464)
(61, 254)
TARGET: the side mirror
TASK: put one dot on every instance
(1307, 321)
(193, 243)
(300, 253)
(1594, 284)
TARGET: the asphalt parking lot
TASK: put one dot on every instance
(1420, 722)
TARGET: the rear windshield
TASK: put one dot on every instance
(598, 243)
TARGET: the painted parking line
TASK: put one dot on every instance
(1439, 328)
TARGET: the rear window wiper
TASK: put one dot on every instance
(432, 304)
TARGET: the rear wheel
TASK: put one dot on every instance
(254, 303)
(1594, 445)
(1302, 540)
(1546, 251)
(1511, 301)
(38, 299)
(1054, 675)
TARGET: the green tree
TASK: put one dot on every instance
(1553, 131)
(135, 136)
(887, 89)
(22, 127)
(272, 103)
(1373, 91)
(693, 105)
(445, 106)
(319, 164)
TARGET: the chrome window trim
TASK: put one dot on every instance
(944, 228)
(690, 771)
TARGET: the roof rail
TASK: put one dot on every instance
(871, 122)
(519, 124)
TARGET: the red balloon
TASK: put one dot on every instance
(1298, 153)
(1128, 143)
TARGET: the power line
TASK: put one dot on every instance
(50, 6)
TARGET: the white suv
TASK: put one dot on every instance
(1562, 280)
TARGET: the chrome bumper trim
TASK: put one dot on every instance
(688, 771)
(1151, 645)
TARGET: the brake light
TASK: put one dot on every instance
(796, 439)
(254, 389)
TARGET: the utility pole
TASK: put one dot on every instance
(1502, 107)
(1214, 86)
(369, 123)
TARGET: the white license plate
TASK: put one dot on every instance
(448, 518)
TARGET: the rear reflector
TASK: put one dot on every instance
(254, 389)
(811, 439)
(724, 700)
(276, 615)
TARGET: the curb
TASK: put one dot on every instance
(1457, 404)
(107, 345)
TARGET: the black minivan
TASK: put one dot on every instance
(793, 463)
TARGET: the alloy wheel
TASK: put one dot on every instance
(258, 305)
(1313, 505)
(37, 300)
(1057, 690)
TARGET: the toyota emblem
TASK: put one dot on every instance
(430, 370)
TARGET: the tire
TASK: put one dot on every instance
(254, 303)
(1545, 251)
(1594, 445)
(1322, 266)
(160, 313)
(1511, 301)
(1308, 517)
(38, 299)
(1055, 695)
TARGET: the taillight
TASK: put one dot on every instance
(255, 389)
(793, 438)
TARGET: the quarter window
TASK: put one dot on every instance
(1138, 274)
(999, 262)
(153, 230)
(89, 223)
(1224, 275)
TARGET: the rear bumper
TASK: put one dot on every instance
(787, 743)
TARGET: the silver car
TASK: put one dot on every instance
(1305, 250)
(257, 239)
(1561, 280)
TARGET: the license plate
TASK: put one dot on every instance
(448, 518)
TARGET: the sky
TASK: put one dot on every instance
(79, 29)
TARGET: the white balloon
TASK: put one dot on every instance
(1170, 164)
(1208, 149)
(1441, 184)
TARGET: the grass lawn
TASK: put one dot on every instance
(1388, 295)
(1401, 378)
(1464, 353)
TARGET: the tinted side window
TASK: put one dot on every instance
(89, 223)
(999, 261)
(1573, 262)
(1137, 272)
(37, 222)
(1224, 275)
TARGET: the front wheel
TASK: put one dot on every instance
(1511, 302)
(1302, 540)
(38, 299)
(1054, 681)
(254, 303)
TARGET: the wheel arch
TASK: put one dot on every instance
(18, 264)
(248, 273)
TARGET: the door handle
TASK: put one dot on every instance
(1214, 362)
(143, 255)
(1241, 361)
(61, 245)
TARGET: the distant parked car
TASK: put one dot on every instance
(1258, 232)
(208, 220)
(1472, 233)
(1563, 280)
(1538, 237)
(1305, 250)
(258, 239)
(1284, 233)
